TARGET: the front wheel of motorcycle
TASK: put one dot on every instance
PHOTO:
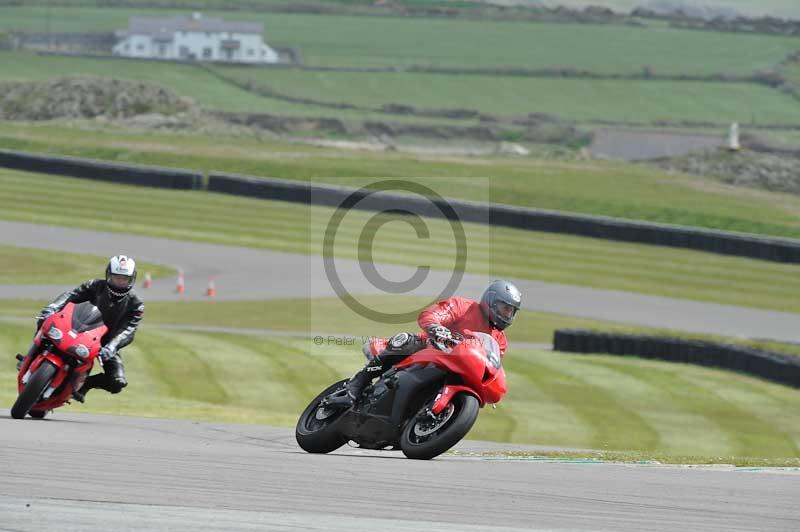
(37, 384)
(315, 431)
(428, 435)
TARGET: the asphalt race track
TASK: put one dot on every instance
(78, 472)
(246, 273)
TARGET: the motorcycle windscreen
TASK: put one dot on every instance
(86, 317)
(491, 347)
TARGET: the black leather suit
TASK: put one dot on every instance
(122, 316)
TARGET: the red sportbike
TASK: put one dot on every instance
(68, 343)
(423, 405)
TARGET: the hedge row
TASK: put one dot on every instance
(728, 243)
(150, 176)
(783, 369)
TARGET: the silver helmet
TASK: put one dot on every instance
(500, 302)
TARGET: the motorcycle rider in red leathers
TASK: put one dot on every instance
(492, 315)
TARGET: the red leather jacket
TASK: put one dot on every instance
(458, 314)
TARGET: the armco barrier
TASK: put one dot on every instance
(723, 242)
(150, 176)
(783, 369)
(333, 196)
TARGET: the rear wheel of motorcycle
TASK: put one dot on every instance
(316, 434)
(37, 384)
(426, 436)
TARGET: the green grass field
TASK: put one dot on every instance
(638, 408)
(187, 80)
(621, 406)
(330, 316)
(793, 73)
(337, 40)
(590, 187)
(327, 316)
(786, 139)
(774, 8)
(599, 402)
(779, 8)
(388, 41)
(32, 266)
(499, 251)
(571, 99)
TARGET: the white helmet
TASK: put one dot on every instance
(120, 275)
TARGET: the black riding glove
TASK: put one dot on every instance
(43, 315)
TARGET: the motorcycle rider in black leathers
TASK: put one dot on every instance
(122, 312)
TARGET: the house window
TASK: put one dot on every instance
(206, 53)
(127, 47)
(140, 47)
(184, 51)
(208, 34)
(162, 50)
(250, 52)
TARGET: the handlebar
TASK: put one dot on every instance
(447, 344)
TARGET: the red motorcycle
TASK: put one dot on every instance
(423, 405)
(67, 344)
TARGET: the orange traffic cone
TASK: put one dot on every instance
(148, 281)
(211, 291)
(180, 287)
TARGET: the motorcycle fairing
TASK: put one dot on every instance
(378, 420)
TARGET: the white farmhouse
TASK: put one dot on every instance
(194, 37)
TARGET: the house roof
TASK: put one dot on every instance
(165, 27)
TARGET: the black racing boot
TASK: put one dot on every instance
(20, 358)
(98, 380)
(351, 393)
(114, 372)
(111, 380)
(80, 395)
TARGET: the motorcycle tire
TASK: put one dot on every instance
(319, 436)
(37, 384)
(456, 426)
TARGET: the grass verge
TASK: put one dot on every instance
(329, 316)
(497, 251)
(633, 457)
(610, 404)
(589, 187)
(32, 266)
(324, 315)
